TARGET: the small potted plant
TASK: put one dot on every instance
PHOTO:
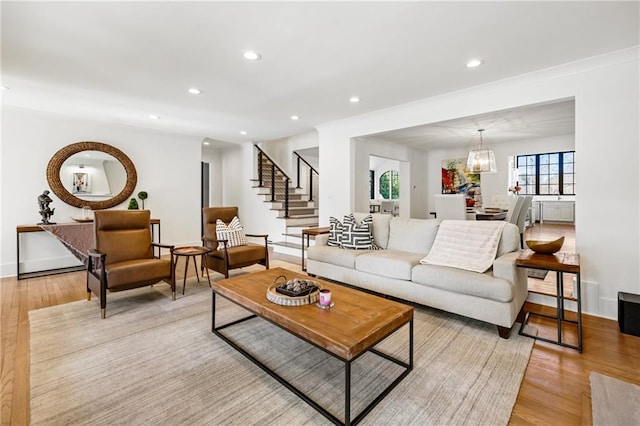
(143, 196)
(133, 204)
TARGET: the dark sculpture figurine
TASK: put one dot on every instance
(45, 211)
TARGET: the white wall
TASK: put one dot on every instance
(214, 157)
(379, 166)
(606, 90)
(281, 150)
(167, 165)
(412, 176)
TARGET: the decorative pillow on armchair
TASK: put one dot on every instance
(358, 236)
(234, 233)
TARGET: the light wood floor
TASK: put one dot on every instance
(555, 389)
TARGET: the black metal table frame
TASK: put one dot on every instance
(347, 365)
(560, 317)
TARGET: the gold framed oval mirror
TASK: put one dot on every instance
(77, 193)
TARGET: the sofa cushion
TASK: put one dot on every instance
(510, 240)
(388, 263)
(412, 235)
(121, 274)
(335, 255)
(357, 236)
(335, 232)
(465, 282)
(380, 227)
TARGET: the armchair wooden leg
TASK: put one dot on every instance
(89, 296)
(173, 295)
(103, 312)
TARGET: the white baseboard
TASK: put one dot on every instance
(592, 303)
(9, 269)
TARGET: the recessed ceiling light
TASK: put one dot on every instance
(205, 143)
(195, 91)
(251, 55)
(295, 117)
(354, 99)
(474, 63)
(243, 132)
(154, 117)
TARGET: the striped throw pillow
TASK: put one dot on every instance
(358, 236)
(234, 233)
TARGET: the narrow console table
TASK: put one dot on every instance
(75, 236)
(560, 263)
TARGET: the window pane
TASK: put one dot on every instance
(384, 185)
(544, 169)
(395, 191)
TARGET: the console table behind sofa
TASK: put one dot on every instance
(76, 237)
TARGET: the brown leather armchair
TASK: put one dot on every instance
(125, 257)
(230, 257)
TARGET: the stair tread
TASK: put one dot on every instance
(287, 244)
(293, 208)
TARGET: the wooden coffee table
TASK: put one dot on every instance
(356, 323)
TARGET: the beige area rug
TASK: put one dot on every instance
(155, 361)
(614, 402)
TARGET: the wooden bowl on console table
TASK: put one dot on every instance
(545, 247)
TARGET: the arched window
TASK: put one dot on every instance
(390, 185)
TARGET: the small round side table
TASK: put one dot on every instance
(188, 253)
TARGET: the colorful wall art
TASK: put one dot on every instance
(457, 180)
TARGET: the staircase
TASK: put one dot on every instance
(293, 206)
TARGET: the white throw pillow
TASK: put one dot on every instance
(234, 233)
(412, 235)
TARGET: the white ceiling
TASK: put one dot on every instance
(119, 62)
(524, 123)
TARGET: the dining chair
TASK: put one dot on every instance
(514, 211)
(387, 206)
(522, 216)
(451, 206)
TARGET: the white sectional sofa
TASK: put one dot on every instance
(495, 296)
